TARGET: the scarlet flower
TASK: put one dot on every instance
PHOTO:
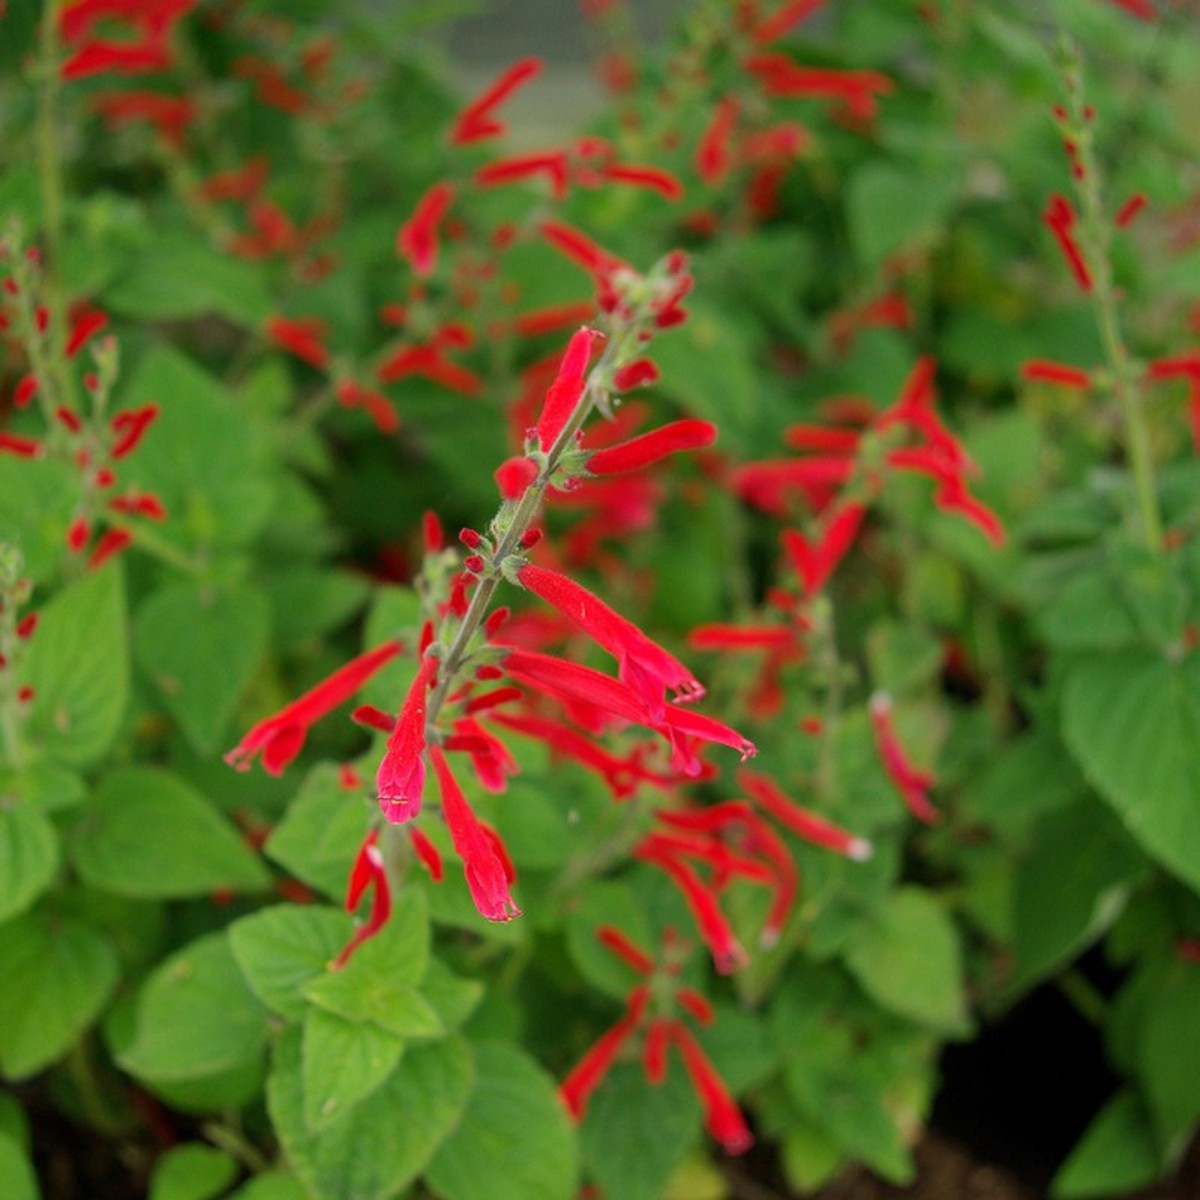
(911, 783)
(816, 563)
(368, 870)
(722, 1118)
(613, 939)
(1128, 211)
(26, 390)
(83, 329)
(780, 76)
(490, 757)
(713, 159)
(576, 1090)
(642, 664)
(301, 336)
(811, 826)
(400, 778)
(579, 248)
(78, 534)
(22, 447)
(769, 485)
(477, 121)
(430, 363)
(553, 317)
(1060, 219)
(170, 115)
(554, 164)
(427, 852)
(1053, 372)
(417, 237)
(567, 387)
(787, 16)
(375, 404)
(654, 178)
(486, 872)
(279, 738)
(514, 476)
(112, 542)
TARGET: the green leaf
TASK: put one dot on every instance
(1070, 887)
(1169, 1052)
(811, 1156)
(453, 999)
(634, 1135)
(44, 785)
(909, 960)
(320, 832)
(1132, 721)
(343, 1062)
(192, 1172)
(201, 646)
(196, 1017)
(37, 501)
(308, 601)
(1115, 1155)
(1089, 611)
(28, 857)
(514, 1141)
(209, 464)
(78, 666)
(177, 275)
(281, 948)
(274, 1185)
(372, 1151)
(17, 1178)
(58, 974)
(889, 206)
(146, 833)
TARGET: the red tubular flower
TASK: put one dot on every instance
(83, 329)
(239, 183)
(490, 757)
(1128, 211)
(429, 363)
(477, 121)
(807, 824)
(780, 76)
(170, 115)
(576, 1090)
(375, 404)
(553, 318)
(427, 852)
(140, 504)
(1045, 371)
(654, 1050)
(741, 637)
(789, 15)
(26, 390)
(485, 870)
(417, 239)
(302, 337)
(912, 784)
(578, 685)
(400, 778)
(1060, 220)
(579, 248)
(554, 164)
(613, 939)
(722, 1118)
(280, 738)
(770, 485)
(368, 869)
(27, 626)
(713, 159)
(649, 447)
(129, 427)
(22, 447)
(822, 439)
(566, 390)
(112, 542)
(815, 564)
(514, 476)
(78, 534)
(654, 178)
(643, 665)
(716, 931)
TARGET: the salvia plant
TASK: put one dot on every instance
(579, 669)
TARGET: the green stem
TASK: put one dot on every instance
(236, 1144)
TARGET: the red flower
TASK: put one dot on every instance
(1054, 372)
(129, 427)
(642, 664)
(417, 238)
(815, 563)
(514, 476)
(649, 447)
(658, 180)
(368, 869)
(477, 121)
(911, 783)
(567, 388)
(554, 164)
(576, 1090)
(302, 337)
(783, 19)
(486, 871)
(112, 542)
(722, 1118)
(280, 738)
(22, 447)
(1060, 220)
(579, 248)
(811, 826)
(400, 778)
(714, 156)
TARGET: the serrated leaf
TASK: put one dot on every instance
(146, 833)
(1132, 721)
(395, 1007)
(58, 974)
(201, 646)
(210, 466)
(78, 667)
(909, 960)
(281, 948)
(634, 1136)
(28, 857)
(1115, 1154)
(514, 1141)
(192, 1172)
(372, 1151)
(177, 275)
(17, 1178)
(343, 1061)
(196, 1017)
